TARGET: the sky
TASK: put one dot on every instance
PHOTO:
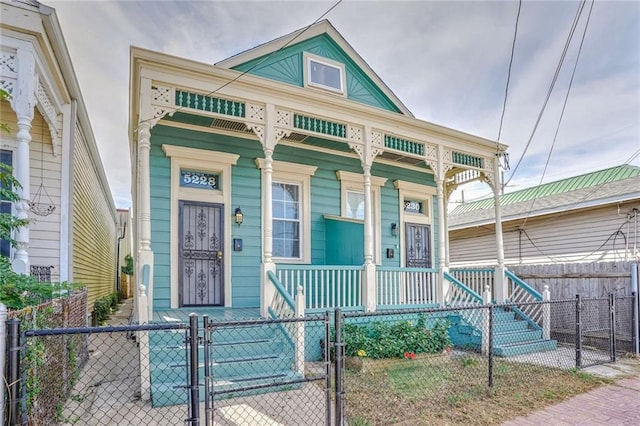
(447, 61)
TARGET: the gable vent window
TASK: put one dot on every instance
(324, 74)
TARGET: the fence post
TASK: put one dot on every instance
(206, 344)
(339, 364)
(13, 370)
(194, 385)
(490, 353)
(143, 344)
(546, 313)
(612, 326)
(327, 363)
(578, 332)
(486, 321)
(3, 351)
(636, 300)
(299, 328)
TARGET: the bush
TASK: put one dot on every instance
(384, 340)
(18, 291)
(104, 306)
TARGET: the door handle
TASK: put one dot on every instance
(219, 254)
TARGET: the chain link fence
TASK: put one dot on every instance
(377, 367)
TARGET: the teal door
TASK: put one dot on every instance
(200, 254)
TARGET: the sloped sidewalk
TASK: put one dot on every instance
(612, 405)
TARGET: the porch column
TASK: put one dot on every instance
(267, 227)
(500, 281)
(23, 101)
(21, 173)
(442, 241)
(439, 171)
(145, 254)
(368, 148)
(269, 135)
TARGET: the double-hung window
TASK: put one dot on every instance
(286, 220)
(290, 211)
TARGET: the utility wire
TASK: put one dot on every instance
(506, 89)
(563, 259)
(254, 65)
(552, 85)
(564, 105)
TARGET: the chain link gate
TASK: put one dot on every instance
(255, 371)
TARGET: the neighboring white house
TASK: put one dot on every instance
(586, 218)
(51, 147)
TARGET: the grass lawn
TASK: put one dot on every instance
(453, 389)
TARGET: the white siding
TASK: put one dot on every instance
(587, 235)
(44, 231)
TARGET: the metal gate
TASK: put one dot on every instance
(200, 254)
(255, 372)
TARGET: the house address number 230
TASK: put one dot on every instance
(193, 179)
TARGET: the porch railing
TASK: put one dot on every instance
(461, 295)
(521, 293)
(283, 307)
(475, 279)
(324, 286)
(406, 286)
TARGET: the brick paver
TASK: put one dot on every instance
(616, 404)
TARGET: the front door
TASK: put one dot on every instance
(417, 245)
(418, 287)
(200, 254)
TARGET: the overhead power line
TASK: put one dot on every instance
(564, 105)
(257, 64)
(506, 89)
(551, 86)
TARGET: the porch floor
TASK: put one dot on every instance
(213, 312)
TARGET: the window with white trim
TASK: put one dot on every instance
(352, 202)
(290, 211)
(355, 204)
(324, 73)
(286, 220)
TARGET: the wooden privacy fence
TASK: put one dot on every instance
(590, 280)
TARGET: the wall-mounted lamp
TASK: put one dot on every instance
(394, 229)
(238, 216)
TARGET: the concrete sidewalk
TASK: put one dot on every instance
(611, 405)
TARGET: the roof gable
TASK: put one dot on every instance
(282, 60)
(594, 185)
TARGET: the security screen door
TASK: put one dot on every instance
(200, 254)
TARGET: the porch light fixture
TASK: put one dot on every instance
(394, 229)
(238, 216)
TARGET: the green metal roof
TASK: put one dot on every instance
(563, 186)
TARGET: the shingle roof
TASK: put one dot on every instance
(587, 189)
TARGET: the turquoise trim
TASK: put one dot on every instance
(321, 267)
(287, 66)
(403, 269)
(467, 160)
(209, 104)
(318, 125)
(403, 145)
(283, 292)
(455, 282)
(533, 292)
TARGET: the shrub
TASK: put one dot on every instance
(18, 291)
(384, 340)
